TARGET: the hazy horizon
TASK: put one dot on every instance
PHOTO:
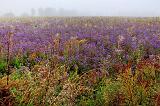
(85, 7)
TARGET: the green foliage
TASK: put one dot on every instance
(16, 63)
(99, 94)
(73, 73)
(18, 95)
(25, 59)
(16, 75)
(86, 101)
(139, 89)
(58, 89)
(3, 65)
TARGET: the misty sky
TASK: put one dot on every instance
(95, 7)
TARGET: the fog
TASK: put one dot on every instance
(79, 7)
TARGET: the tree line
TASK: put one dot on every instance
(46, 12)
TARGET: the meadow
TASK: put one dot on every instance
(80, 61)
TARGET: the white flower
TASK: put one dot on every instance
(134, 38)
(118, 50)
(57, 35)
(121, 38)
(73, 37)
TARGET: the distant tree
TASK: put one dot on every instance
(50, 12)
(33, 12)
(72, 13)
(53, 12)
(41, 12)
(25, 14)
(9, 14)
(62, 12)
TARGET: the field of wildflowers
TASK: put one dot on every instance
(80, 61)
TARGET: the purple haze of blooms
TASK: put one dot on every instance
(101, 35)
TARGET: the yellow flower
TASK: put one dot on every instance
(82, 41)
(32, 56)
